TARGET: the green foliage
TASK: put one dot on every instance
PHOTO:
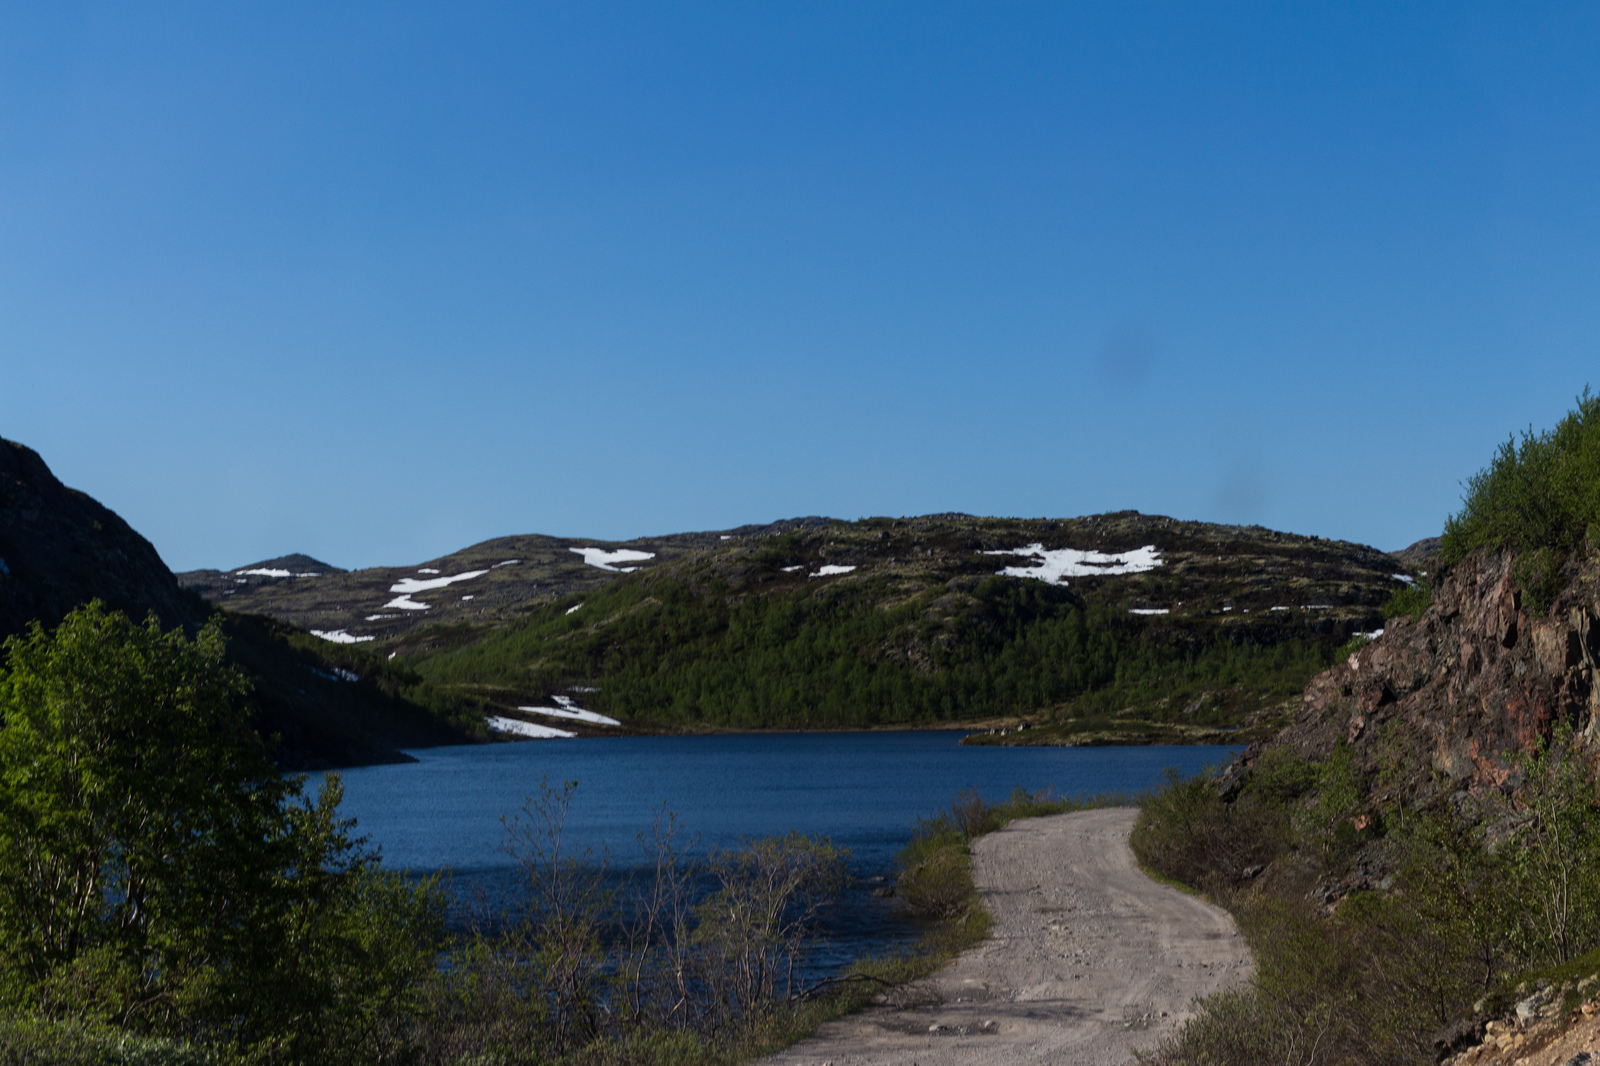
(29, 1041)
(157, 873)
(664, 650)
(1538, 498)
(1187, 832)
(1472, 907)
(1409, 601)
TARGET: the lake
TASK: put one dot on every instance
(865, 791)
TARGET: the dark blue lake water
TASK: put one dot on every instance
(865, 791)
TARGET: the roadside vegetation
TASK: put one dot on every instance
(1370, 973)
(1380, 927)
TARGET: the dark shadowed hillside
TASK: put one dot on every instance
(317, 705)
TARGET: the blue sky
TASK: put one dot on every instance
(376, 282)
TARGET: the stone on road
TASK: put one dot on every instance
(1088, 961)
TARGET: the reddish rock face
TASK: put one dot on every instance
(1445, 702)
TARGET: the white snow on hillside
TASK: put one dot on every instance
(830, 570)
(263, 571)
(1149, 610)
(574, 607)
(569, 709)
(603, 559)
(339, 636)
(1407, 578)
(525, 729)
(1061, 563)
(507, 562)
(427, 570)
(791, 569)
(408, 586)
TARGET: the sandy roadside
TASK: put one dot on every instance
(1089, 960)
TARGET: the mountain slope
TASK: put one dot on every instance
(316, 705)
(480, 587)
(60, 547)
(1127, 626)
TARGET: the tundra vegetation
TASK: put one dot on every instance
(167, 896)
(1385, 907)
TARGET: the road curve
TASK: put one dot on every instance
(1089, 960)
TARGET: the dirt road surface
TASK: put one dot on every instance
(1088, 961)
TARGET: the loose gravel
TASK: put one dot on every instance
(1089, 961)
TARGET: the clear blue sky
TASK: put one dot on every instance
(375, 282)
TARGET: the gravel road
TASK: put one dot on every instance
(1089, 960)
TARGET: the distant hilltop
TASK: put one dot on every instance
(491, 583)
(1120, 627)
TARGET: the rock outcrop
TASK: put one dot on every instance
(1445, 702)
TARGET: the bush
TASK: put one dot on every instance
(1185, 831)
(158, 874)
(1539, 498)
(1408, 601)
(1470, 908)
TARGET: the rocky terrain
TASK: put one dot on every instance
(1460, 691)
(1250, 579)
(508, 574)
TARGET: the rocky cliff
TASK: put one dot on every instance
(1443, 703)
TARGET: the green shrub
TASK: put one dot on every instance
(1538, 498)
(1187, 832)
(1408, 601)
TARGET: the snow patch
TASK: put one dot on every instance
(525, 729)
(1374, 635)
(1280, 608)
(427, 570)
(603, 559)
(339, 636)
(790, 569)
(465, 598)
(1317, 607)
(262, 571)
(569, 709)
(830, 570)
(407, 586)
(1407, 578)
(375, 617)
(573, 608)
(508, 562)
(1058, 565)
(406, 603)
(1149, 610)
(725, 536)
